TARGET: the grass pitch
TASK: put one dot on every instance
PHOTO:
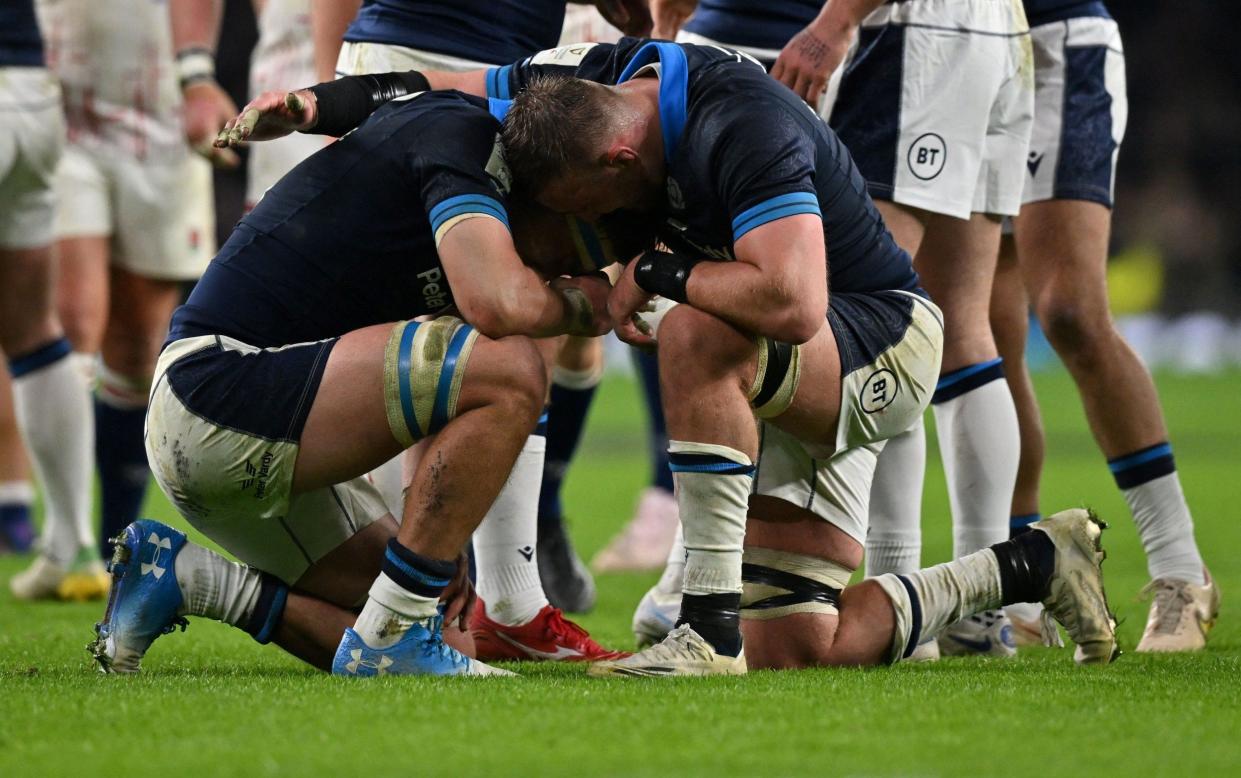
(210, 701)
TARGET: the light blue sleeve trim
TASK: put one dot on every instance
(778, 207)
(499, 108)
(467, 203)
(498, 82)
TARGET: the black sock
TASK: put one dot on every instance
(1026, 564)
(716, 617)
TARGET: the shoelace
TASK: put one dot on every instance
(1171, 598)
(435, 645)
(679, 643)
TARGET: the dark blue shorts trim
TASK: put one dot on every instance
(867, 113)
(267, 394)
(866, 324)
(1087, 148)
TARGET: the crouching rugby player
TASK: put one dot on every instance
(295, 367)
(740, 170)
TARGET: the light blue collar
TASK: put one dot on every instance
(673, 88)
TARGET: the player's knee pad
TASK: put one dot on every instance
(775, 383)
(424, 365)
(780, 583)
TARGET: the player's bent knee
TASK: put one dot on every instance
(789, 607)
(1073, 328)
(424, 365)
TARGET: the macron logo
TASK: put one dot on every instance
(434, 293)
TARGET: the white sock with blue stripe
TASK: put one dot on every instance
(55, 414)
(504, 544)
(976, 422)
(1152, 489)
(713, 495)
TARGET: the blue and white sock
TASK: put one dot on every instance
(713, 492)
(1147, 478)
(120, 452)
(407, 590)
(216, 588)
(976, 422)
(1021, 523)
(52, 403)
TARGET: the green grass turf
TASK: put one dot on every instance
(212, 702)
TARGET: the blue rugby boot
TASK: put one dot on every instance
(420, 651)
(145, 599)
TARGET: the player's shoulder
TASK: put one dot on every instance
(448, 107)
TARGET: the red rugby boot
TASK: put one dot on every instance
(549, 636)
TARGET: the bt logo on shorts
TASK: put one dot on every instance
(879, 391)
(927, 156)
(434, 294)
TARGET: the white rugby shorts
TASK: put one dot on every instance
(936, 103)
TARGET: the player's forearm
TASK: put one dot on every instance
(341, 105)
(526, 306)
(328, 21)
(195, 24)
(758, 301)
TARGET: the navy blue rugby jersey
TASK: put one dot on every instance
(20, 44)
(758, 24)
(484, 31)
(348, 238)
(742, 150)
(1048, 11)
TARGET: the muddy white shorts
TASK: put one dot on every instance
(884, 391)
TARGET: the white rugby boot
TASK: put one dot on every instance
(655, 616)
(1181, 615)
(1075, 595)
(988, 633)
(682, 653)
(644, 542)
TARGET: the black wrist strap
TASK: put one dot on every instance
(664, 273)
(343, 104)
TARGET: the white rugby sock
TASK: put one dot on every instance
(928, 600)
(669, 584)
(504, 544)
(976, 422)
(1152, 489)
(52, 403)
(894, 540)
(713, 494)
(215, 588)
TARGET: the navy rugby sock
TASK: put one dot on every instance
(648, 371)
(566, 419)
(120, 456)
(1018, 525)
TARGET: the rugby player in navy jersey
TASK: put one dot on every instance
(761, 206)
(295, 367)
(521, 592)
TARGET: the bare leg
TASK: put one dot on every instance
(1062, 246)
(1009, 320)
(82, 290)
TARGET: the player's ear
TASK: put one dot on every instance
(621, 156)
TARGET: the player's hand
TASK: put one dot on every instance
(594, 289)
(269, 116)
(459, 596)
(631, 17)
(669, 16)
(806, 64)
(624, 304)
(205, 107)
